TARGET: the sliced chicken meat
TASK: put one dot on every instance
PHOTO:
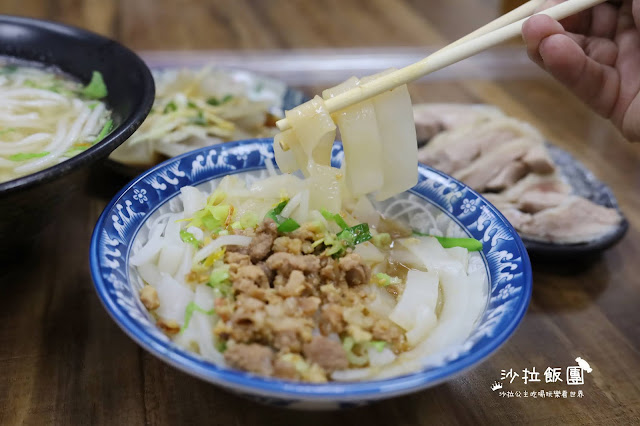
(455, 149)
(507, 160)
(432, 119)
(575, 220)
(535, 201)
(508, 176)
(479, 173)
(539, 160)
(535, 182)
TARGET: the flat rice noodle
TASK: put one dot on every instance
(172, 231)
(314, 129)
(460, 254)
(196, 232)
(294, 158)
(477, 298)
(400, 254)
(148, 252)
(174, 298)
(379, 359)
(383, 303)
(432, 255)
(192, 199)
(170, 259)
(397, 131)
(301, 214)
(420, 293)
(215, 245)
(292, 204)
(453, 326)
(369, 253)
(200, 326)
(149, 273)
(185, 266)
(324, 188)
(364, 211)
(352, 374)
(316, 216)
(274, 186)
(361, 141)
(464, 301)
(425, 322)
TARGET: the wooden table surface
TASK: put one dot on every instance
(64, 361)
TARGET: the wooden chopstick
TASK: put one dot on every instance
(444, 57)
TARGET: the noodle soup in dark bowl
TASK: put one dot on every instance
(46, 67)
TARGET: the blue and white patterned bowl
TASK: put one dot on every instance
(436, 195)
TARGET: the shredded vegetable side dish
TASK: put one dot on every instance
(46, 117)
(192, 109)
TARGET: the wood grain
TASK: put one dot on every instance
(64, 361)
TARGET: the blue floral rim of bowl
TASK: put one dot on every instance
(504, 255)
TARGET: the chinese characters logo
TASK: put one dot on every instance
(574, 376)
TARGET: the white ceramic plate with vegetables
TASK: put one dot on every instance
(198, 107)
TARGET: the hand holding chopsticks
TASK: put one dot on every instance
(486, 37)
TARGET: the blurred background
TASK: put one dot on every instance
(242, 24)
(304, 43)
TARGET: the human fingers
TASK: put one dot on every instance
(536, 29)
(626, 16)
(578, 23)
(594, 83)
(604, 21)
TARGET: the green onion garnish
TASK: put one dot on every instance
(23, 156)
(198, 120)
(288, 225)
(356, 234)
(334, 217)
(219, 279)
(285, 224)
(104, 131)
(378, 345)
(470, 244)
(170, 107)
(189, 238)
(188, 313)
(96, 89)
(347, 344)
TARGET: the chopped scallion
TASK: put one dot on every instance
(334, 217)
(23, 156)
(288, 225)
(356, 234)
(189, 238)
(188, 313)
(170, 107)
(96, 89)
(347, 344)
(105, 130)
(470, 244)
(378, 345)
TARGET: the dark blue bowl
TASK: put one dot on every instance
(28, 203)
